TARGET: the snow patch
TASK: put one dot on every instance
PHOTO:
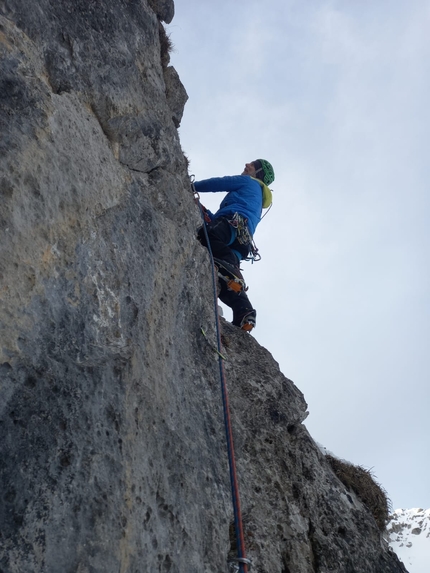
(408, 534)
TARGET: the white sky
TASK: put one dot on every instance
(335, 94)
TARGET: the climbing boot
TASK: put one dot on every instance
(248, 322)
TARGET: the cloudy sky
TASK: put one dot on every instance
(335, 94)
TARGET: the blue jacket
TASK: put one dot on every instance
(245, 196)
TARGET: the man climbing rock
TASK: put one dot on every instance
(231, 229)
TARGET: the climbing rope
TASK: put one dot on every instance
(242, 562)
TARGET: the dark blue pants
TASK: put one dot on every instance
(223, 242)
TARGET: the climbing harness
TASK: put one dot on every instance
(242, 561)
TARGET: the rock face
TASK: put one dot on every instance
(112, 443)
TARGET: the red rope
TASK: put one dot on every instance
(238, 522)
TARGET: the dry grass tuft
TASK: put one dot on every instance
(166, 45)
(363, 484)
(187, 161)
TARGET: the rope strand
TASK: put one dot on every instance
(238, 522)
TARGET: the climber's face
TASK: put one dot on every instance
(249, 169)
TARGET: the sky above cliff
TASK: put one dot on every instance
(335, 95)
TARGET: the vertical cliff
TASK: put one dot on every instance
(112, 444)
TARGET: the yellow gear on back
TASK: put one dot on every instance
(267, 193)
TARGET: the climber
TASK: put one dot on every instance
(231, 229)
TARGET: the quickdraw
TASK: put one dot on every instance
(244, 237)
(211, 345)
(240, 224)
(254, 254)
(234, 564)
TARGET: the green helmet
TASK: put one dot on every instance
(264, 171)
